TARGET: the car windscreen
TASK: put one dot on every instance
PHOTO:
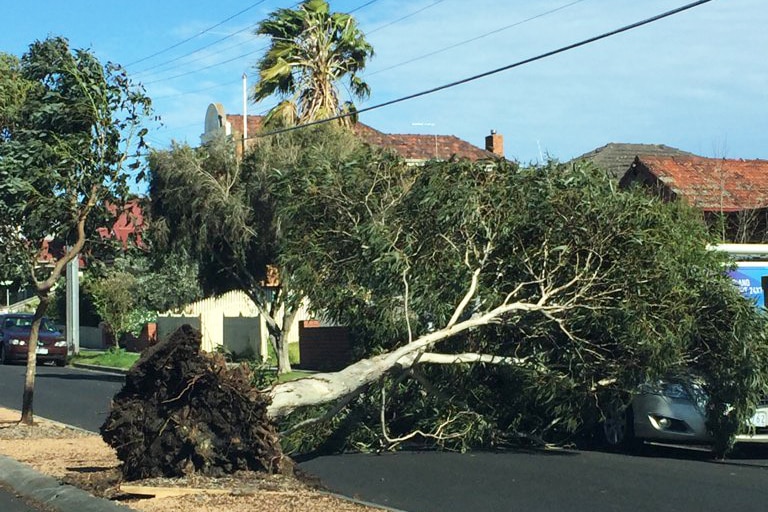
(25, 323)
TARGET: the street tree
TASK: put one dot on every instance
(458, 277)
(311, 50)
(219, 210)
(68, 144)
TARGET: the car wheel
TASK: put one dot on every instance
(61, 362)
(3, 354)
(617, 431)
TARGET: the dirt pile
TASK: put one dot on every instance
(183, 412)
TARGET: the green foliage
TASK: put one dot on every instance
(203, 205)
(390, 251)
(311, 49)
(220, 211)
(113, 297)
(71, 130)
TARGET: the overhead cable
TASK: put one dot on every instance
(196, 35)
(541, 56)
(430, 54)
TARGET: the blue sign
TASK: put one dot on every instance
(748, 277)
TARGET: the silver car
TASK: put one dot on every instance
(672, 411)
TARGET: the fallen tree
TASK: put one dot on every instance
(183, 412)
(485, 294)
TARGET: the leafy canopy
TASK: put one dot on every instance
(71, 131)
(390, 250)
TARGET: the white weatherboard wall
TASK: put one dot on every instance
(231, 320)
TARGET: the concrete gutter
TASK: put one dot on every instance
(47, 491)
(103, 369)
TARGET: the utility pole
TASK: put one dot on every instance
(7, 285)
(73, 304)
(245, 112)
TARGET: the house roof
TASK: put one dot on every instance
(422, 147)
(615, 158)
(711, 184)
(129, 222)
(409, 146)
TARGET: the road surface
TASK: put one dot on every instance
(662, 479)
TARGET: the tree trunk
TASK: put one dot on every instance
(27, 416)
(323, 388)
(283, 357)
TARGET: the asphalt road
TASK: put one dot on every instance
(549, 481)
(73, 396)
(662, 478)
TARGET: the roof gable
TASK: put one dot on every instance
(711, 184)
(615, 158)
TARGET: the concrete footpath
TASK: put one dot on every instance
(47, 491)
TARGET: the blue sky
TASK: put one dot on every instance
(697, 81)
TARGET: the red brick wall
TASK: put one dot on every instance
(323, 348)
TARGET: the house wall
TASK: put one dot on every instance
(225, 320)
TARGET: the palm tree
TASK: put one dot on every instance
(311, 50)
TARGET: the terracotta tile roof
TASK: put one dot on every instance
(615, 158)
(711, 184)
(423, 147)
(410, 147)
(129, 223)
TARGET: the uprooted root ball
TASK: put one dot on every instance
(182, 412)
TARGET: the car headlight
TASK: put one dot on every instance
(16, 341)
(61, 343)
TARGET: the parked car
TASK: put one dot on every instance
(672, 411)
(14, 339)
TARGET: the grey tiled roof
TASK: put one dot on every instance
(616, 157)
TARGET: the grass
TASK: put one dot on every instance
(295, 374)
(114, 358)
(293, 354)
(120, 358)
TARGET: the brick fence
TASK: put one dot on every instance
(323, 348)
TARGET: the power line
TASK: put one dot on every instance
(228, 36)
(363, 6)
(481, 36)
(404, 17)
(216, 42)
(196, 35)
(541, 56)
(216, 86)
(205, 68)
(198, 50)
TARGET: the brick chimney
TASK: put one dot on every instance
(495, 143)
